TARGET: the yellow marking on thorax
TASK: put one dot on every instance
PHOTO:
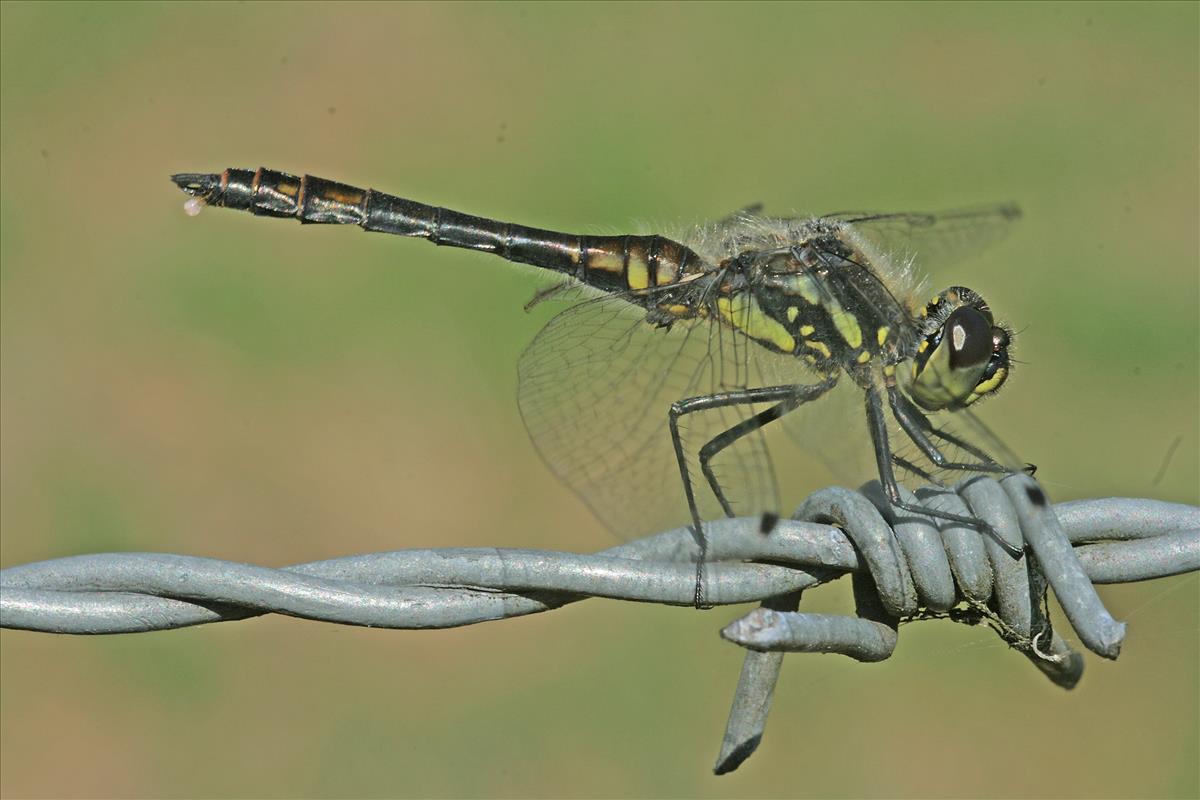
(863, 357)
(792, 313)
(743, 313)
(677, 310)
(881, 335)
(847, 326)
(845, 323)
(806, 330)
(820, 347)
(802, 285)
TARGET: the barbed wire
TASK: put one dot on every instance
(903, 568)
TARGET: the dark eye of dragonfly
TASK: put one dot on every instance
(996, 371)
(963, 359)
(968, 333)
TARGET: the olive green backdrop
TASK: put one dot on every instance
(250, 390)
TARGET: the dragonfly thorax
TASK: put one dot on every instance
(818, 300)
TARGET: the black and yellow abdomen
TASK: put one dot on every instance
(610, 263)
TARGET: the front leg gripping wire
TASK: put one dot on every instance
(904, 568)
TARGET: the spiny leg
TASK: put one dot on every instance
(946, 436)
(801, 394)
(691, 405)
(919, 430)
(899, 398)
(908, 466)
(728, 437)
(877, 424)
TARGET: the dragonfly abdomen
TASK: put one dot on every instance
(611, 263)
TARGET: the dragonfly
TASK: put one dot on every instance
(672, 356)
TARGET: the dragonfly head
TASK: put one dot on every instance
(964, 353)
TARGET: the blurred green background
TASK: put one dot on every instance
(250, 390)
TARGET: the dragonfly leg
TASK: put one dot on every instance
(782, 395)
(920, 430)
(898, 398)
(801, 394)
(908, 466)
(877, 424)
(728, 437)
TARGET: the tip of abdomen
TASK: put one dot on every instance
(197, 184)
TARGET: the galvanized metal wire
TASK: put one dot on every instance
(903, 569)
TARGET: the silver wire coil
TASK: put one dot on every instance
(903, 568)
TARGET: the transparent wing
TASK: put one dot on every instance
(595, 387)
(835, 432)
(967, 425)
(963, 438)
(937, 239)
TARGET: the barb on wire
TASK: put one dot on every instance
(903, 568)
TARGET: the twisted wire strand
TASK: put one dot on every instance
(952, 572)
(448, 587)
(903, 568)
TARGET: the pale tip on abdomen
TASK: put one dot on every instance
(197, 184)
(201, 186)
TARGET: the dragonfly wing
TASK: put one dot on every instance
(938, 239)
(970, 427)
(834, 430)
(595, 388)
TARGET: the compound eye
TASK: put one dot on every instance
(996, 372)
(970, 337)
(998, 364)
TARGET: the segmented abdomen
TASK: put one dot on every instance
(612, 263)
